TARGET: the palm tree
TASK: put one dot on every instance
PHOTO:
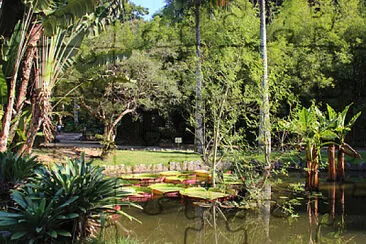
(264, 125)
(197, 4)
(42, 20)
(23, 46)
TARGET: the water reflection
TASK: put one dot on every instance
(337, 215)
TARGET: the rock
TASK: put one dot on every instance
(191, 166)
(178, 167)
(172, 166)
(128, 169)
(185, 166)
(165, 168)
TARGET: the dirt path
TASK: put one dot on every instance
(67, 145)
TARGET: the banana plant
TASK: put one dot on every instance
(309, 124)
(341, 129)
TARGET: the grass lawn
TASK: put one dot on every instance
(128, 157)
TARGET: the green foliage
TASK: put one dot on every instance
(116, 83)
(15, 169)
(312, 128)
(64, 15)
(94, 193)
(67, 201)
(339, 125)
(37, 218)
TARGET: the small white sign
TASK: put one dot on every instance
(178, 140)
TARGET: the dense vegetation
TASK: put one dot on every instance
(227, 76)
(315, 52)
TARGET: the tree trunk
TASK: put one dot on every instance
(309, 166)
(198, 113)
(264, 124)
(315, 171)
(25, 71)
(108, 140)
(340, 165)
(332, 173)
(76, 112)
(34, 126)
(312, 177)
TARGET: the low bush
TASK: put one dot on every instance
(65, 203)
(15, 170)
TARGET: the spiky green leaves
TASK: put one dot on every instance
(66, 15)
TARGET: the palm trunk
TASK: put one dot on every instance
(34, 126)
(332, 174)
(25, 71)
(198, 114)
(340, 165)
(264, 125)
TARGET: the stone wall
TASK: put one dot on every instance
(154, 168)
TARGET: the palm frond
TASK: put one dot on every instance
(66, 15)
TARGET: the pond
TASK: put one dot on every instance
(338, 213)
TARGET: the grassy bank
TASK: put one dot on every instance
(128, 157)
(132, 157)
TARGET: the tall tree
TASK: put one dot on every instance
(264, 125)
(198, 121)
(199, 140)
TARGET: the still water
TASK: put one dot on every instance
(337, 215)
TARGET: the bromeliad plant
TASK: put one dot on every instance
(37, 218)
(15, 170)
(67, 201)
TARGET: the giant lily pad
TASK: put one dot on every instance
(170, 173)
(203, 194)
(137, 194)
(202, 173)
(162, 188)
(139, 176)
(181, 179)
(143, 179)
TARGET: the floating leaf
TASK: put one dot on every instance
(202, 193)
(162, 188)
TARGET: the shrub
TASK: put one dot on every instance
(14, 170)
(37, 218)
(66, 201)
